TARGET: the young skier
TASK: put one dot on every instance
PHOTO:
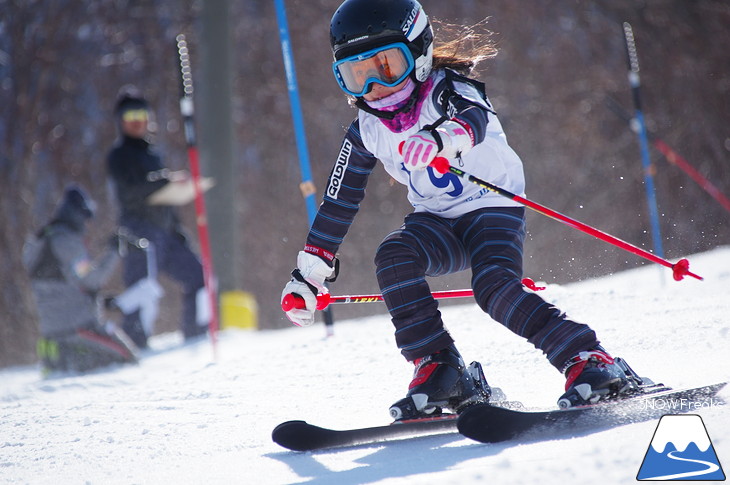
(416, 102)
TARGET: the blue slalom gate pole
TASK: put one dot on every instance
(635, 82)
(307, 186)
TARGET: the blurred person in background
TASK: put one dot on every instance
(65, 282)
(137, 172)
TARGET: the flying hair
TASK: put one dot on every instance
(460, 47)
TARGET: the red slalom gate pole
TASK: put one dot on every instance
(680, 269)
(676, 159)
(293, 300)
(672, 156)
(187, 110)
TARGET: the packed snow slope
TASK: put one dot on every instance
(187, 415)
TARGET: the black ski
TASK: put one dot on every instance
(492, 424)
(302, 436)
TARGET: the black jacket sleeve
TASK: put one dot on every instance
(343, 194)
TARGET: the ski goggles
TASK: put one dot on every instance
(388, 65)
(135, 115)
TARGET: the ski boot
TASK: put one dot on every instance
(594, 376)
(441, 382)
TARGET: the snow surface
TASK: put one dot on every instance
(187, 415)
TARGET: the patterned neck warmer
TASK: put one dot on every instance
(406, 119)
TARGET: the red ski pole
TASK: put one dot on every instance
(293, 300)
(680, 269)
(186, 108)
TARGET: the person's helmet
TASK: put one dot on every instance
(75, 208)
(381, 41)
(133, 105)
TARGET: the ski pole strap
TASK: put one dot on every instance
(335, 273)
(297, 275)
(435, 134)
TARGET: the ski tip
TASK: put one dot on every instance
(717, 387)
(289, 435)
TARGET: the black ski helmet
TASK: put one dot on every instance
(361, 25)
(127, 102)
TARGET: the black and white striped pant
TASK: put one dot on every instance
(489, 241)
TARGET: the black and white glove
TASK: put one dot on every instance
(449, 140)
(307, 281)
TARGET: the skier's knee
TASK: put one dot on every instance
(490, 283)
(393, 249)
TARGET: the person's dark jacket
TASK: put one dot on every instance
(137, 171)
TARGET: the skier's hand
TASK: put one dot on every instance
(419, 150)
(449, 140)
(455, 138)
(307, 281)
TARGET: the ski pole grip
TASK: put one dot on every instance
(293, 301)
(440, 164)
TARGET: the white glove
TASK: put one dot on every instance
(314, 271)
(420, 149)
(455, 138)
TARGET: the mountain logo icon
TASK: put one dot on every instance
(681, 450)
